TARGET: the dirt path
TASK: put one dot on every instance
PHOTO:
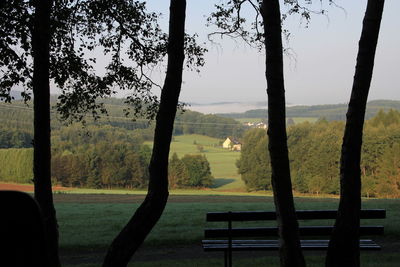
(27, 187)
(102, 198)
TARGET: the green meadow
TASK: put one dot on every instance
(88, 223)
(222, 161)
(295, 119)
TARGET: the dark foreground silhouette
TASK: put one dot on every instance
(21, 230)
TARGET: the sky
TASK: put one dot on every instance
(320, 70)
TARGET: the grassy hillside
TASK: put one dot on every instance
(295, 119)
(20, 116)
(330, 112)
(222, 161)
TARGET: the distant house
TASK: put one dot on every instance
(232, 144)
(261, 125)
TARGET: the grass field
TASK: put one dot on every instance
(222, 161)
(295, 119)
(88, 223)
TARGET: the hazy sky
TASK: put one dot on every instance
(323, 68)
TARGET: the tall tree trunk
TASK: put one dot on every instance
(290, 249)
(147, 215)
(344, 244)
(41, 106)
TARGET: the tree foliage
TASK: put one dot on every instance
(124, 31)
(315, 154)
(149, 212)
(190, 171)
(105, 157)
(254, 164)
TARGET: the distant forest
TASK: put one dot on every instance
(107, 153)
(314, 152)
(329, 112)
(102, 157)
(16, 123)
(110, 152)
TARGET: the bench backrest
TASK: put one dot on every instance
(245, 216)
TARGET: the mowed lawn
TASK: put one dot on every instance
(222, 161)
(88, 223)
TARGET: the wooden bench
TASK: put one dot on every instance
(254, 238)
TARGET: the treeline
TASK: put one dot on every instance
(95, 156)
(315, 157)
(329, 112)
(102, 157)
(12, 138)
(16, 123)
(99, 157)
(190, 171)
(102, 165)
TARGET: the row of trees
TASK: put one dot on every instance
(120, 166)
(12, 138)
(315, 156)
(103, 157)
(104, 165)
(15, 132)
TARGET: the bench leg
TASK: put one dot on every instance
(228, 258)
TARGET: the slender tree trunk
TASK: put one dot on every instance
(41, 106)
(290, 249)
(344, 244)
(147, 215)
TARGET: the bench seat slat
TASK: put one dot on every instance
(237, 245)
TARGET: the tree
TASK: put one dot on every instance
(390, 172)
(146, 216)
(93, 180)
(253, 164)
(177, 172)
(199, 172)
(42, 148)
(48, 33)
(344, 247)
(229, 19)
(200, 148)
(290, 249)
